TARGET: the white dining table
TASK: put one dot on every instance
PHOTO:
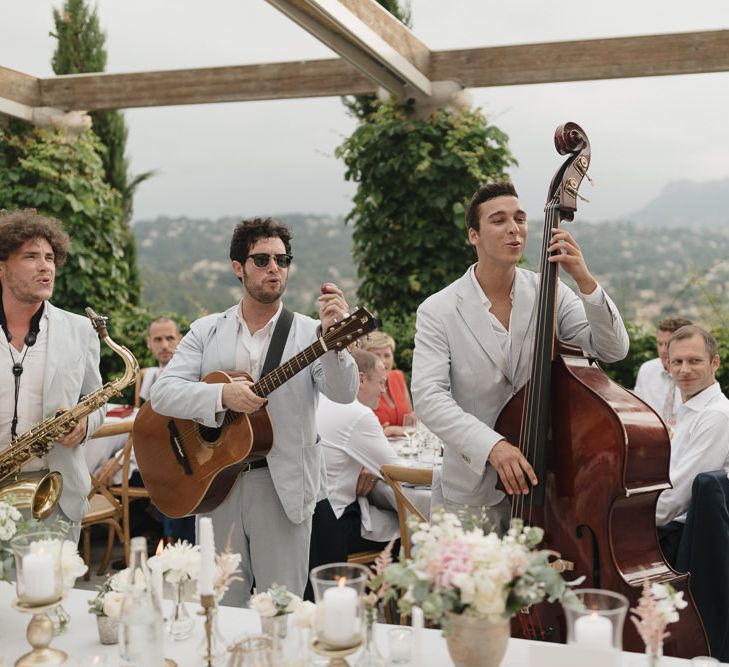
(81, 643)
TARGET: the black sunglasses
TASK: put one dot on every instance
(261, 259)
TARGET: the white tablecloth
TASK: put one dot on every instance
(80, 640)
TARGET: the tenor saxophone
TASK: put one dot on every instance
(41, 493)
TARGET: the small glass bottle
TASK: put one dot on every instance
(141, 640)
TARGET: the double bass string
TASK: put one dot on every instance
(534, 394)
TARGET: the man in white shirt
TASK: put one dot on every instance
(654, 383)
(162, 340)
(355, 446)
(700, 441)
(473, 350)
(49, 357)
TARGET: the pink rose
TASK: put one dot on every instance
(450, 559)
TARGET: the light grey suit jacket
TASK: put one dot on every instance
(72, 371)
(296, 462)
(460, 381)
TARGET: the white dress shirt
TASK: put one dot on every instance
(503, 336)
(700, 443)
(148, 379)
(30, 397)
(653, 385)
(352, 437)
(251, 349)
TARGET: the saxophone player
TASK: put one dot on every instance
(49, 357)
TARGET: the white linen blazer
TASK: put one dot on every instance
(72, 371)
(460, 382)
(295, 462)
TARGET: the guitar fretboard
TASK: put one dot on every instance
(283, 373)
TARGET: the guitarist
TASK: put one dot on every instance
(270, 506)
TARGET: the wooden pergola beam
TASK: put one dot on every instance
(20, 88)
(623, 57)
(273, 81)
(367, 36)
(614, 58)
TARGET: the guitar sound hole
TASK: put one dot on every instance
(209, 434)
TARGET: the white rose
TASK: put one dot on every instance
(263, 603)
(304, 615)
(293, 605)
(72, 565)
(113, 604)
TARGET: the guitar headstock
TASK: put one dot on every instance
(344, 333)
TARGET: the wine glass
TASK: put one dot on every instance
(410, 423)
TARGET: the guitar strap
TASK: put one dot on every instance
(278, 341)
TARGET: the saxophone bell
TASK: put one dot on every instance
(38, 493)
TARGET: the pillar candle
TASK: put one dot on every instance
(39, 581)
(594, 631)
(340, 612)
(206, 540)
(418, 621)
(155, 567)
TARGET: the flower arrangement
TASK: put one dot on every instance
(464, 571)
(226, 571)
(658, 606)
(110, 595)
(10, 517)
(180, 562)
(378, 586)
(276, 601)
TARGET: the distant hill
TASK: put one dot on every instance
(185, 266)
(652, 272)
(687, 204)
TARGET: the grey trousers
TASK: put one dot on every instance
(272, 547)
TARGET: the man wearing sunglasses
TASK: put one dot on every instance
(270, 506)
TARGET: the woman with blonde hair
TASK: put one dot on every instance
(395, 402)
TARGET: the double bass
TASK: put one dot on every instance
(600, 453)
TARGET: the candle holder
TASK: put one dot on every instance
(38, 574)
(595, 618)
(336, 655)
(40, 635)
(339, 590)
(213, 652)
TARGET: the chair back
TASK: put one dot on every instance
(703, 551)
(138, 387)
(395, 476)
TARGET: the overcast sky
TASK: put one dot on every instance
(275, 157)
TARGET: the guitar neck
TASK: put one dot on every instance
(286, 371)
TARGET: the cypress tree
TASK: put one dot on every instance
(80, 49)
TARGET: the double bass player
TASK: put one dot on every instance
(473, 346)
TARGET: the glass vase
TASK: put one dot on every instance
(370, 656)
(653, 655)
(180, 623)
(60, 619)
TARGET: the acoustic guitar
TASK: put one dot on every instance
(188, 468)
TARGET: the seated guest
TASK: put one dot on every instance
(700, 442)
(394, 403)
(654, 383)
(162, 340)
(355, 447)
